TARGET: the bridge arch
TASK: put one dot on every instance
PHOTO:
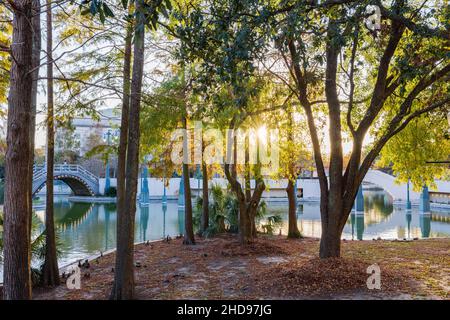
(80, 181)
(388, 184)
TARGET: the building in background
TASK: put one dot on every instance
(84, 133)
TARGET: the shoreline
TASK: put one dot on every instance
(410, 269)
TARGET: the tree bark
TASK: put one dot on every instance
(50, 273)
(188, 222)
(123, 139)
(293, 231)
(330, 217)
(205, 208)
(36, 60)
(247, 209)
(330, 241)
(123, 287)
(16, 268)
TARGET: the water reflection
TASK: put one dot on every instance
(85, 229)
(380, 219)
(425, 224)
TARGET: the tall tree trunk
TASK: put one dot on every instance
(330, 218)
(293, 231)
(123, 287)
(36, 60)
(50, 273)
(205, 208)
(330, 241)
(16, 268)
(188, 222)
(123, 139)
(247, 208)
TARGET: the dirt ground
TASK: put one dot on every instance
(272, 268)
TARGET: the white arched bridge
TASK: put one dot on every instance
(398, 191)
(81, 181)
(84, 183)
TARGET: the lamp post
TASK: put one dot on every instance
(107, 179)
(408, 200)
(164, 197)
(145, 192)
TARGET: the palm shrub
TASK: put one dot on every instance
(37, 248)
(224, 213)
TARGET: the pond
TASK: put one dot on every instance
(86, 229)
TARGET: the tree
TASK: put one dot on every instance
(293, 170)
(50, 272)
(424, 140)
(123, 287)
(314, 49)
(17, 277)
(35, 65)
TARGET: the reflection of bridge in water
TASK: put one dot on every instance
(81, 181)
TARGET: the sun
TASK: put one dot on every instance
(262, 133)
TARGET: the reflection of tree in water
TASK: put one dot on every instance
(181, 220)
(71, 214)
(143, 219)
(357, 222)
(379, 202)
(377, 208)
(440, 217)
(108, 208)
(408, 223)
(425, 224)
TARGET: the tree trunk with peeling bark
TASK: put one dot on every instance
(17, 206)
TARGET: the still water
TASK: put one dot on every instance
(86, 229)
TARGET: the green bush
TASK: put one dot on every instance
(111, 192)
(224, 213)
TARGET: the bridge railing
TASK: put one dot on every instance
(66, 168)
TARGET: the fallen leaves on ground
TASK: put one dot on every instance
(271, 267)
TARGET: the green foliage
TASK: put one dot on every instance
(219, 213)
(272, 223)
(224, 213)
(162, 110)
(5, 61)
(111, 192)
(425, 139)
(151, 10)
(37, 246)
